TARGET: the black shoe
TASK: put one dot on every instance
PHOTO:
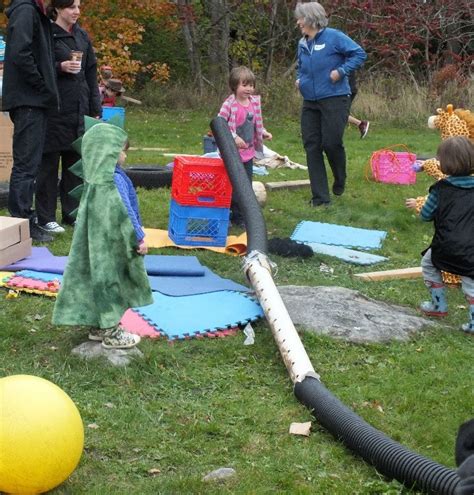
(39, 235)
(338, 190)
(316, 203)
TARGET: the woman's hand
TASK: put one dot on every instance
(241, 144)
(71, 67)
(267, 135)
(334, 75)
(410, 203)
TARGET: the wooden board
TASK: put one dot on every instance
(287, 184)
(147, 149)
(414, 272)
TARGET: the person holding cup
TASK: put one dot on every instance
(76, 69)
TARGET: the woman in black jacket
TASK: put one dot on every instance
(79, 96)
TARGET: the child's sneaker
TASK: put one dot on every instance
(430, 309)
(96, 334)
(117, 338)
(364, 128)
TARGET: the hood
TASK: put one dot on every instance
(16, 3)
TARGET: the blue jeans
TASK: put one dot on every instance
(323, 123)
(432, 274)
(28, 140)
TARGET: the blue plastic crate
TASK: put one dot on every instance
(109, 112)
(198, 226)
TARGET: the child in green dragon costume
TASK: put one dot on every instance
(105, 274)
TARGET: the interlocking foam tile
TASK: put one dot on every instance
(183, 317)
(5, 276)
(42, 260)
(349, 255)
(177, 266)
(29, 283)
(134, 323)
(186, 286)
(44, 276)
(338, 235)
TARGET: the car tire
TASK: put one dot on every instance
(149, 177)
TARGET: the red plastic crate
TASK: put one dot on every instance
(200, 181)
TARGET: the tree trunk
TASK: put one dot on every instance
(185, 11)
(219, 42)
(271, 44)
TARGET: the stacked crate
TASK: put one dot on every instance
(201, 194)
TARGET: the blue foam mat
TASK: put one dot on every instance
(185, 286)
(338, 235)
(177, 266)
(349, 255)
(181, 317)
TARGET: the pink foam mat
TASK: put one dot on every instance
(29, 283)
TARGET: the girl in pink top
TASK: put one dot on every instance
(243, 112)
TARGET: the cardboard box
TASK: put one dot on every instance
(6, 139)
(15, 240)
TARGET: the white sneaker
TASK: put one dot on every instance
(52, 228)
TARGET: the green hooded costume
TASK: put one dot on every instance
(105, 275)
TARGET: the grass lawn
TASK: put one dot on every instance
(193, 406)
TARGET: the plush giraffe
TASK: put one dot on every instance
(451, 123)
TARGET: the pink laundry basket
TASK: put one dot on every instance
(393, 167)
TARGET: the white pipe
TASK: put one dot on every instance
(258, 270)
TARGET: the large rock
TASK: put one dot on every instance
(117, 357)
(349, 315)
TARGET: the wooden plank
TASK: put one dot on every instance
(147, 149)
(287, 184)
(414, 272)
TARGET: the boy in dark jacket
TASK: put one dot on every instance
(29, 91)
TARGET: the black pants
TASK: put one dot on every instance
(28, 140)
(322, 127)
(47, 186)
(235, 211)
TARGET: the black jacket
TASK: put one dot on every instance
(29, 78)
(452, 248)
(78, 93)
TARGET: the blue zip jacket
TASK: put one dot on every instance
(332, 49)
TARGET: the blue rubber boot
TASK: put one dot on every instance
(438, 305)
(469, 327)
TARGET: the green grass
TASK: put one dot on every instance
(190, 407)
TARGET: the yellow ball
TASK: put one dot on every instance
(41, 435)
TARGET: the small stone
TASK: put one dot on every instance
(220, 474)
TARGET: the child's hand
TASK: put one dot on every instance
(267, 135)
(142, 248)
(410, 203)
(241, 144)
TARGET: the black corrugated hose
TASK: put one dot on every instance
(387, 456)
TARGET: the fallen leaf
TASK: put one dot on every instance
(38, 317)
(154, 471)
(109, 405)
(93, 426)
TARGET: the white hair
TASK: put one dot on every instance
(313, 14)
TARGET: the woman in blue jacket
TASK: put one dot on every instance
(326, 58)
